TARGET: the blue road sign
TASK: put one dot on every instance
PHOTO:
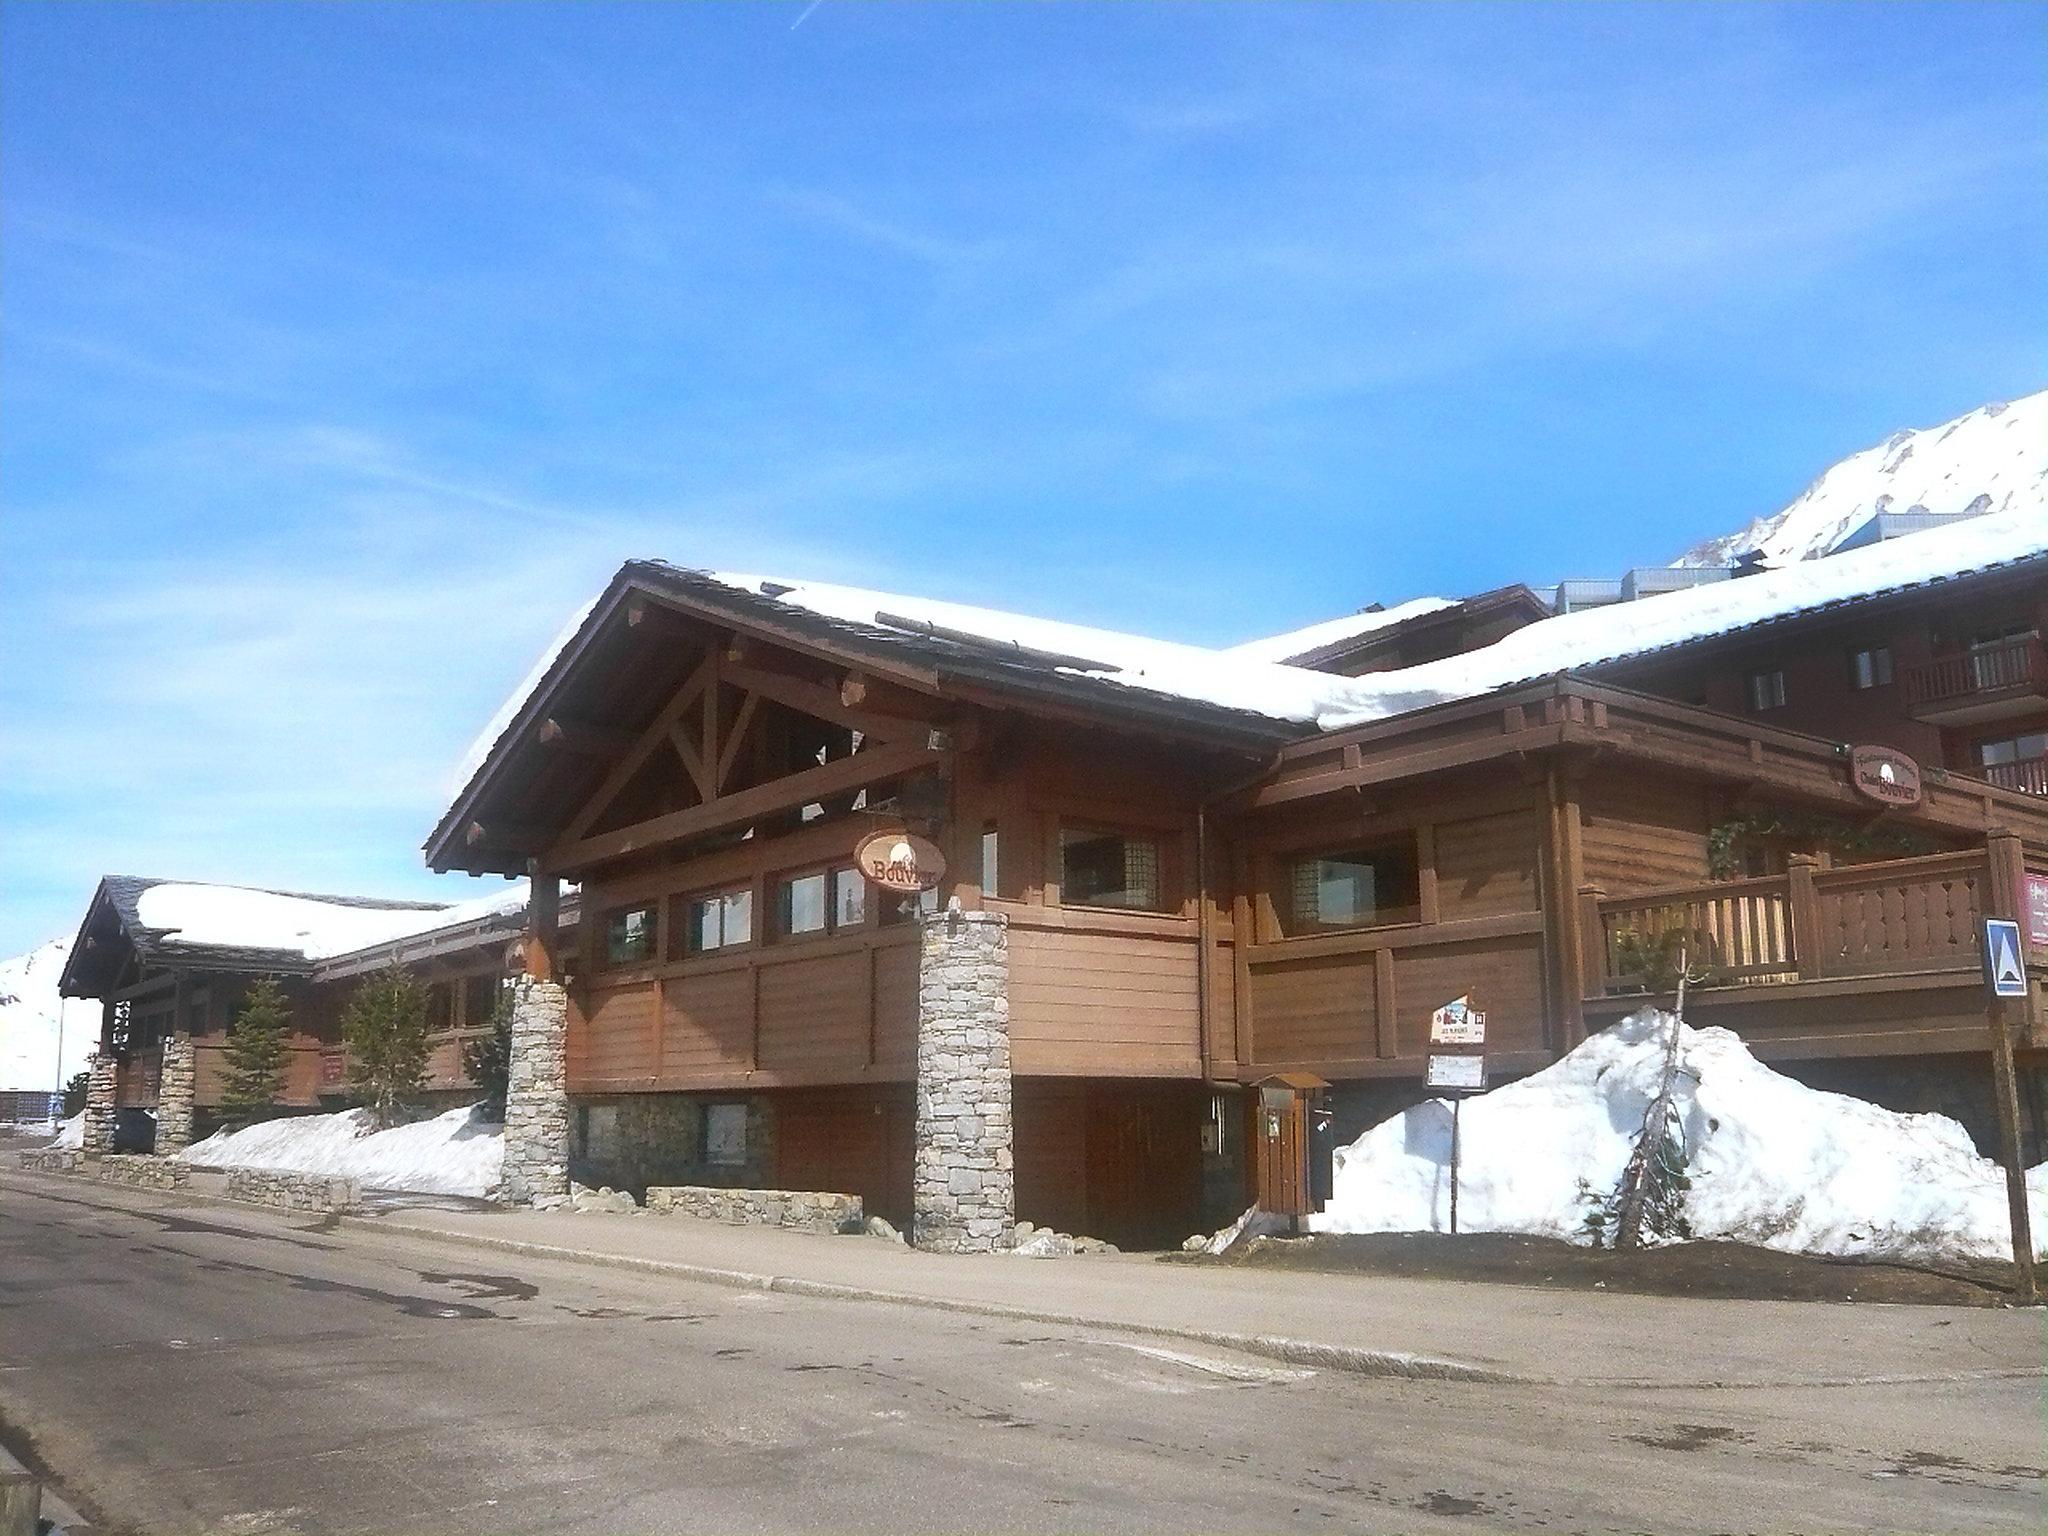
(2005, 965)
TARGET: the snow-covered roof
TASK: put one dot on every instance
(1598, 636)
(183, 915)
(1351, 626)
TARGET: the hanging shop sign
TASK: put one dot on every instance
(1885, 775)
(900, 861)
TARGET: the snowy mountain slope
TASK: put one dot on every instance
(29, 1014)
(1992, 460)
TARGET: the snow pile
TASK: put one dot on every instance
(456, 1153)
(1771, 1161)
(71, 1134)
(240, 918)
(1995, 459)
(33, 1016)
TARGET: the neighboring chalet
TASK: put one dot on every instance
(171, 961)
(1225, 884)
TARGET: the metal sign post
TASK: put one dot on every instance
(2005, 976)
(1459, 1073)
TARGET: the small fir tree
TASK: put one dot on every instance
(74, 1094)
(255, 1054)
(385, 1030)
(487, 1058)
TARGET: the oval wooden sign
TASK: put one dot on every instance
(1885, 775)
(900, 861)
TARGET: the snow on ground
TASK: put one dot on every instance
(452, 1154)
(1995, 459)
(32, 1017)
(1772, 1161)
(71, 1134)
(238, 917)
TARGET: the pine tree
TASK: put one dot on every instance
(385, 1030)
(487, 1059)
(255, 1054)
(74, 1093)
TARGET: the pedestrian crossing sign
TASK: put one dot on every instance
(2005, 966)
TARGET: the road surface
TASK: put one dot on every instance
(184, 1367)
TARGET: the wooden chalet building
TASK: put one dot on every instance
(1223, 882)
(169, 996)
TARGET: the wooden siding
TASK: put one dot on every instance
(1487, 866)
(1101, 998)
(1643, 833)
(1120, 1161)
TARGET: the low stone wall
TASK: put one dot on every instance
(295, 1191)
(53, 1160)
(803, 1210)
(139, 1170)
(143, 1172)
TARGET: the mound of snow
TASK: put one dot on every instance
(71, 1134)
(457, 1153)
(1771, 1161)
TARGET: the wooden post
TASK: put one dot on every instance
(2007, 898)
(1805, 904)
(1592, 940)
(2002, 899)
(544, 923)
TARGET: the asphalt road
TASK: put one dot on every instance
(189, 1368)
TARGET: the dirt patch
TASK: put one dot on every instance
(1726, 1270)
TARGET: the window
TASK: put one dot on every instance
(1108, 869)
(1766, 690)
(1356, 888)
(441, 1005)
(2013, 749)
(717, 921)
(479, 999)
(989, 867)
(1871, 667)
(849, 898)
(725, 1135)
(629, 936)
(823, 901)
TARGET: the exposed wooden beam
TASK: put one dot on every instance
(656, 734)
(693, 761)
(509, 836)
(645, 616)
(860, 771)
(821, 702)
(734, 739)
(584, 737)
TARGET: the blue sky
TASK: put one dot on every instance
(346, 349)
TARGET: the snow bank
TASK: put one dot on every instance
(71, 1134)
(452, 1154)
(1771, 1161)
(236, 917)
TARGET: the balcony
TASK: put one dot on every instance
(1996, 682)
(2029, 777)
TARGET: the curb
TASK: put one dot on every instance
(1337, 1357)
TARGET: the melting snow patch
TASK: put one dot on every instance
(457, 1153)
(1771, 1161)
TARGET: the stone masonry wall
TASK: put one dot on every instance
(175, 1094)
(100, 1092)
(803, 1210)
(141, 1172)
(294, 1191)
(537, 1095)
(965, 1192)
(52, 1160)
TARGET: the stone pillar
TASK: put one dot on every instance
(174, 1096)
(965, 1198)
(101, 1090)
(537, 1095)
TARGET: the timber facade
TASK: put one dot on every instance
(1212, 914)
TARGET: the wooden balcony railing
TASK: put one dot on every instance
(2028, 778)
(2015, 666)
(1897, 917)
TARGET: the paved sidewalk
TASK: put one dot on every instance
(1503, 1332)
